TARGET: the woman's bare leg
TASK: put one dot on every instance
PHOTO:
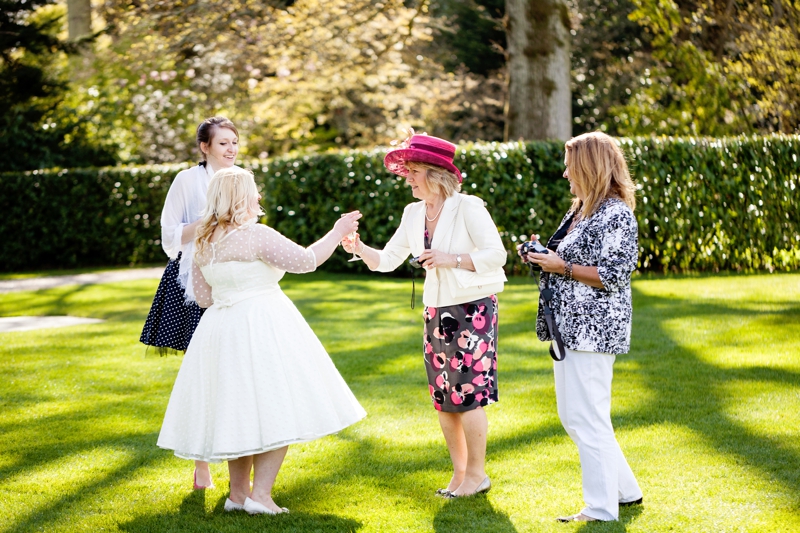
(265, 469)
(239, 470)
(475, 427)
(457, 446)
(202, 474)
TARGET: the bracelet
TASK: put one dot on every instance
(458, 260)
(568, 270)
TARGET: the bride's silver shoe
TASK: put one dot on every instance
(485, 485)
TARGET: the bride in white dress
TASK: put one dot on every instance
(255, 378)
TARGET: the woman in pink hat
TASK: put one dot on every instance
(452, 236)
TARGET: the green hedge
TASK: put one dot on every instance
(704, 204)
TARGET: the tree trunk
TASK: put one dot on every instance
(539, 102)
(79, 18)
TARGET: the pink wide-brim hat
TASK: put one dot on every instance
(422, 149)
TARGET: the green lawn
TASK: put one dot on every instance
(706, 408)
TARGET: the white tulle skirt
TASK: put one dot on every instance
(254, 378)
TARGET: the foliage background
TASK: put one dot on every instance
(40, 125)
(703, 204)
(313, 75)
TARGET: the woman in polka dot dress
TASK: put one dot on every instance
(255, 378)
(174, 314)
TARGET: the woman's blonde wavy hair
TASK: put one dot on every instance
(230, 194)
(440, 181)
(597, 166)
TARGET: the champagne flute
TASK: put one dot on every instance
(354, 238)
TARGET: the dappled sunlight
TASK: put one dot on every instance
(739, 339)
(523, 341)
(752, 406)
(400, 365)
(629, 390)
(365, 473)
(689, 471)
(105, 459)
(691, 390)
(705, 418)
(59, 509)
(74, 429)
(128, 300)
(734, 288)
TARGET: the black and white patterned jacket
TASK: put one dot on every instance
(591, 319)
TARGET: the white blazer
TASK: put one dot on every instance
(464, 227)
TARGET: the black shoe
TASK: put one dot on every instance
(633, 502)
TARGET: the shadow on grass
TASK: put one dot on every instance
(64, 505)
(191, 516)
(693, 393)
(471, 514)
(688, 391)
(114, 302)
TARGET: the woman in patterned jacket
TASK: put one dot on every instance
(591, 258)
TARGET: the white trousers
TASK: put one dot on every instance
(583, 395)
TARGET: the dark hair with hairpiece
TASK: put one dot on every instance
(207, 129)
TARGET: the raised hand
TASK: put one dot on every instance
(347, 224)
(349, 221)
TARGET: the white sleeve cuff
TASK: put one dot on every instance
(171, 240)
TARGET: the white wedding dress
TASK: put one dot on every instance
(254, 377)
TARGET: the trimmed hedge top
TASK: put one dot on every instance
(703, 204)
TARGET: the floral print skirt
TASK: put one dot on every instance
(460, 352)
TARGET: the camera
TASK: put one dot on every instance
(415, 262)
(535, 247)
(532, 246)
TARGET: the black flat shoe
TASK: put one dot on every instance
(633, 502)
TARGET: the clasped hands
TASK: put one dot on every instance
(550, 262)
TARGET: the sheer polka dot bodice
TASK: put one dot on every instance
(247, 261)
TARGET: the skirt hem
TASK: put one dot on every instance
(230, 456)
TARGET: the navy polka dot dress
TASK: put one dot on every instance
(171, 321)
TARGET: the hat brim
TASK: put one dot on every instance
(395, 161)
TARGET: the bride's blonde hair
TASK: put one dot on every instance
(230, 195)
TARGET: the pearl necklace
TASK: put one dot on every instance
(437, 213)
